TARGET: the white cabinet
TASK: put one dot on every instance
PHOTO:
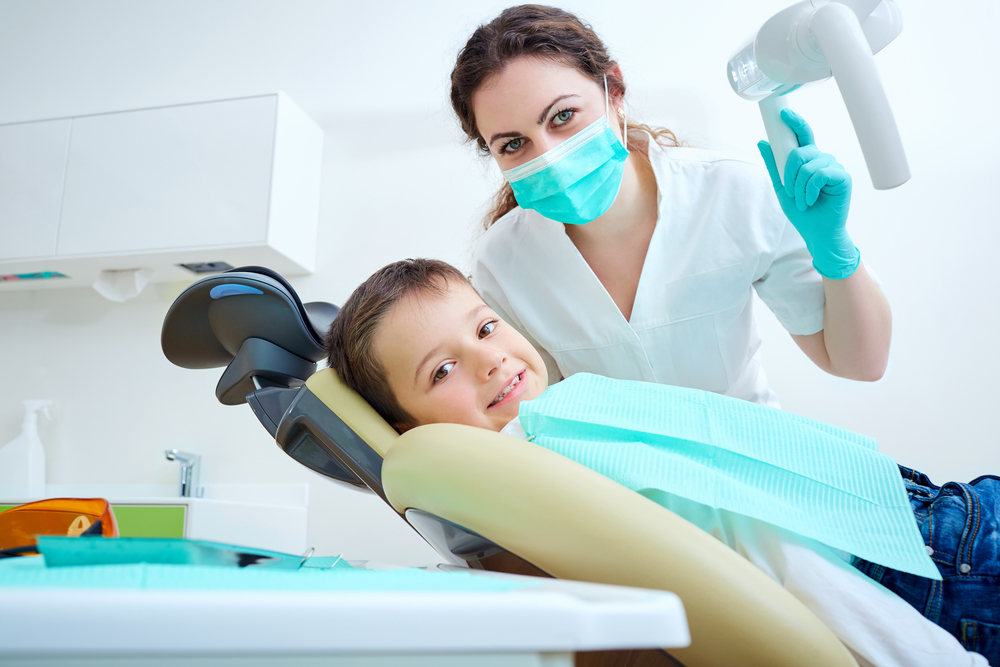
(174, 177)
(233, 181)
(32, 167)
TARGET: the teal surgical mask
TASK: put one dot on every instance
(578, 180)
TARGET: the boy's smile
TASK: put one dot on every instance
(448, 358)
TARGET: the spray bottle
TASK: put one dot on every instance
(22, 460)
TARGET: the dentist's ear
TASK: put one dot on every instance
(616, 90)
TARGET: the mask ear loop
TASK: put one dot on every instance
(621, 112)
(607, 98)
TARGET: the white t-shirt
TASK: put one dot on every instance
(720, 231)
(878, 627)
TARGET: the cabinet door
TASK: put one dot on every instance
(196, 175)
(32, 166)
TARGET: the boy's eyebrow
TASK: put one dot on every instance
(473, 314)
(541, 119)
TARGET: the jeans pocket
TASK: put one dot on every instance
(983, 638)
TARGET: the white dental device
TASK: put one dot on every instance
(809, 42)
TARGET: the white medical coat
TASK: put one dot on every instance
(720, 232)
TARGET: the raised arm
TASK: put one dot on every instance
(816, 196)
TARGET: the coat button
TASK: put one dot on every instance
(965, 568)
(930, 551)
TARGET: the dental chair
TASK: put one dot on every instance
(479, 498)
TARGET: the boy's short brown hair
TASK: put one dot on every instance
(350, 341)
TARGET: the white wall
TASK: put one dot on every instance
(398, 182)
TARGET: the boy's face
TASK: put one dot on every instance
(450, 359)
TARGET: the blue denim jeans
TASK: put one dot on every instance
(960, 524)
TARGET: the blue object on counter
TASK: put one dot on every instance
(60, 551)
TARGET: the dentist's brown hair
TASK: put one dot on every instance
(540, 32)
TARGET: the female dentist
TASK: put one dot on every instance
(616, 251)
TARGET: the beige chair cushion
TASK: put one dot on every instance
(352, 410)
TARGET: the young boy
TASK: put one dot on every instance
(422, 347)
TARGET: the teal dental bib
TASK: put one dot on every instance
(817, 480)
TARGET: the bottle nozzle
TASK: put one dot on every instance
(32, 407)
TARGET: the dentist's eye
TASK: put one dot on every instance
(563, 116)
(442, 372)
(512, 146)
(488, 328)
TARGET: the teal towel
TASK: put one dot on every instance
(155, 563)
(814, 479)
(31, 572)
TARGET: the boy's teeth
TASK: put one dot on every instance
(506, 390)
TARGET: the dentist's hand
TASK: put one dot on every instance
(815, 197)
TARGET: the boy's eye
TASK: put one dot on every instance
(488, 328)
(512, 146)
(443, 371)
(563, 116)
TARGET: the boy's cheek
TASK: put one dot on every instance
(533, 392)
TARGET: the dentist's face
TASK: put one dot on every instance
(534, 105)
(450, 359)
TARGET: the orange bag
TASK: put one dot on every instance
(55, 516)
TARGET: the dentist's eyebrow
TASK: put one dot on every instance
(541, 119)
(503, 135)
(473, 314)
(541, 116)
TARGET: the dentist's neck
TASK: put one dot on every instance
(634, 211)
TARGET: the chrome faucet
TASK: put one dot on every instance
(190, 472)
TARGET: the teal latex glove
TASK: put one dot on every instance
(815, 198)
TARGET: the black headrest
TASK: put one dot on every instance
(208, 323)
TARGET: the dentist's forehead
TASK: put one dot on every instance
(521, 91)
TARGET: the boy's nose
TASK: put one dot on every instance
(490, 361)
